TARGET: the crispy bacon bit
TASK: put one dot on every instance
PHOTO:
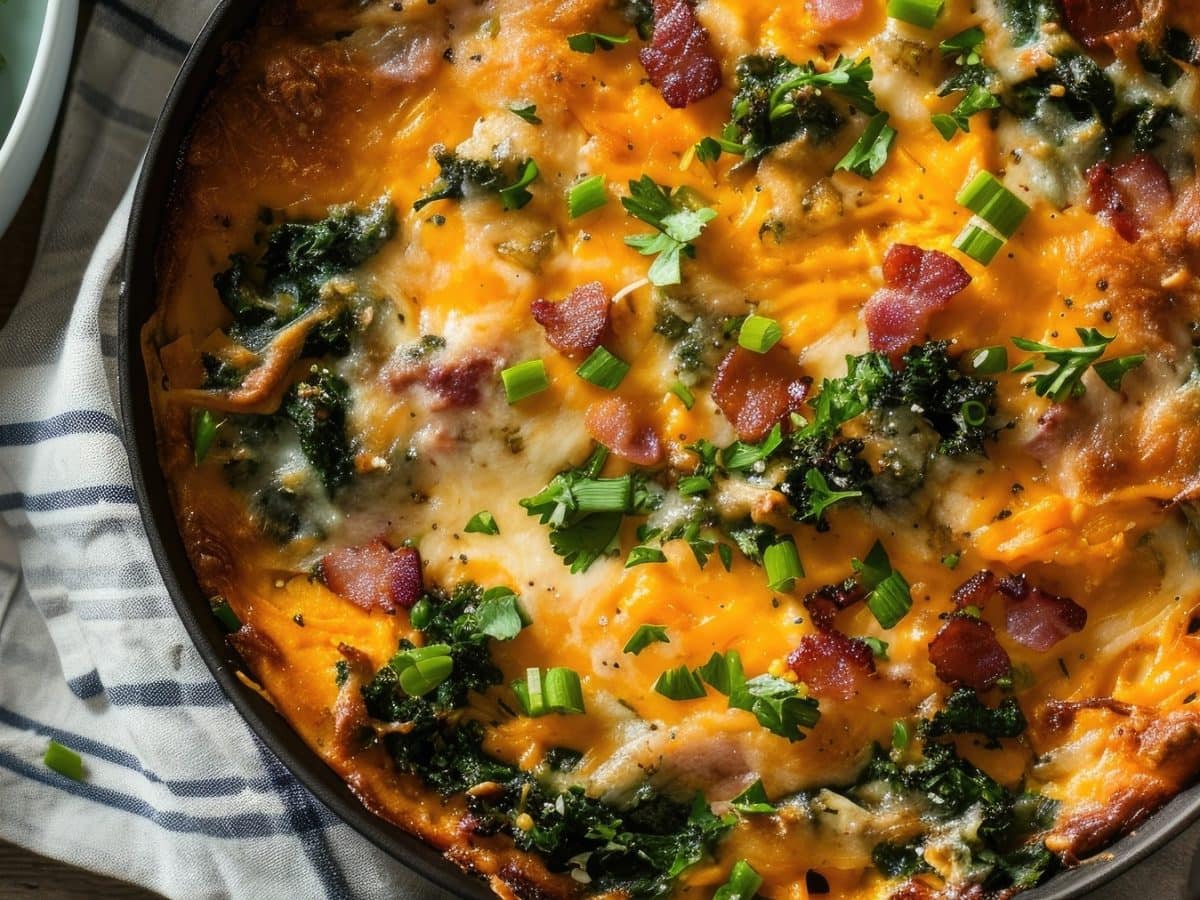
(1132, 197)
(680, 60)
(457, 386)
(826, 602)
(918, 283)
(966, 652)
(575, 326)
(757, 390)
(612, 422)
(832, 665)
(975, 591)
(835, 12)
(1090, 21)
(1059, 714)
(1038, 619)
(374, 575)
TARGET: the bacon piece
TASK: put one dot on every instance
(757, 390)
(575, 326)
(612, 422)
(457, 386)
(374, 575)
(1090, 21)
(975, 591)
(680, 60)
(1038, 619)
(966, 652)
(835, 12)
(832, 665)
(1132, 197)
(918, 283)
(826, 602)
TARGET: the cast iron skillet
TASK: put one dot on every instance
(138, 301)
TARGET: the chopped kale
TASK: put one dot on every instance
(220, 375)
(1158, 62)
(299, 261)
(1024, 18)
(317, 408)
(278, 511)
(460, 177)
(965, 713)
(840, 474)
(1182, 46)
(1075, 83)
(777, 101)
(1005, 844)
(1143, 122)
(899, 860)
(931, 383)
(639, 14)
(698, 341)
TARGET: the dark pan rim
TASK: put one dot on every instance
(137, 301)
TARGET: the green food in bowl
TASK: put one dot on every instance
(21, 25)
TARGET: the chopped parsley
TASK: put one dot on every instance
(589, 41)
(678, 224)
(1064, 379)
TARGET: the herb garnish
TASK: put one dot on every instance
(678, 224)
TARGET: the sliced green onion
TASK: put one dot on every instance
(421, 614)
(529, 693)
(753, 800)
(588, 41)
(482, 522)
(593, 495)
(951, 561)
(979, 244)
(556, 691)
(686, 397)
(425, 675)
(64, 761)
(879, 649)
(563, 691)
(985, 196)
(725, 552)
(782, 562)
(680, 684)
(890, 601)
(645, 636)
(743, 883)
(204, 432)
(989, 360)
(515, 196)
(922, 13)
(692, 485)
(588, 195)
(603, 369)
(639, 556)
(759, 333)
(528, 113)
(899, 735)
(974, 413)
(524, 380)
(225, 615)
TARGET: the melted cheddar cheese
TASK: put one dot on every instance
(324, 105)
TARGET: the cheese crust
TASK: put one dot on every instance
(1088, 496)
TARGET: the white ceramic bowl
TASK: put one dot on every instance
(36, 40)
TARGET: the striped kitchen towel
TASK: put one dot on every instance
(179, 795)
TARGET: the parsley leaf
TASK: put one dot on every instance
(588, 41)
(870, 151)
(753, 800)
(678, 226)
(1065, 379)
(977, 99)
(776, 704)
(528, 113)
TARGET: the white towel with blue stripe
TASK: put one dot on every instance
(179, 796)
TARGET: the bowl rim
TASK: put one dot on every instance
(138, 298)
(40, 76)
